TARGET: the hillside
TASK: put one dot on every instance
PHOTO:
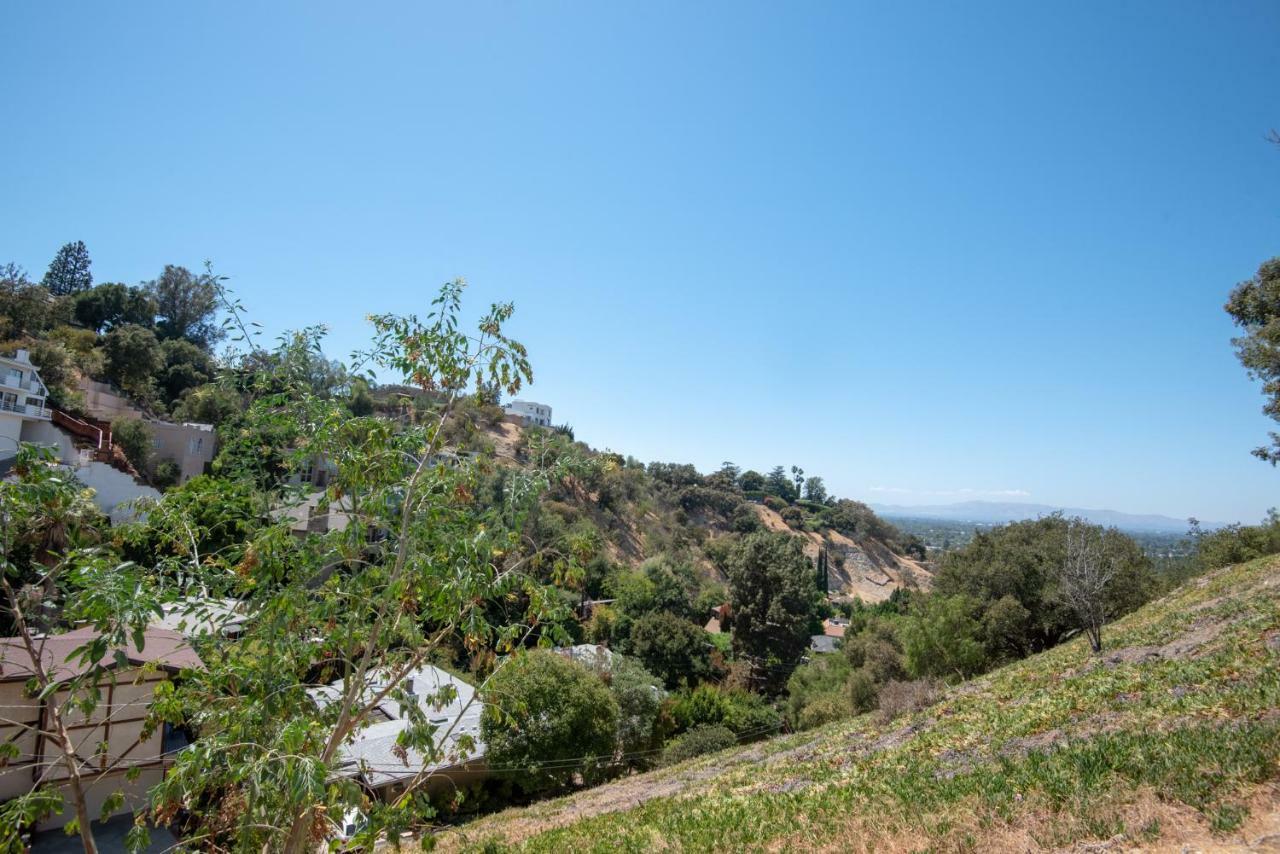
(1170, 738)
(642, 512)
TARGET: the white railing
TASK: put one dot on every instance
(24, 409)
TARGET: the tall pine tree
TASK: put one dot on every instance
(69, 271)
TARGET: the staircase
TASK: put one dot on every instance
(94, 436)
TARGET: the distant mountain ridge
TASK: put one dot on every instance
(999, 512)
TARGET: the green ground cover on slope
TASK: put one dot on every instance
(1175, 723)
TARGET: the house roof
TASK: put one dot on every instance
(164, 647)
(373, 754)
(822, 643)
(835, 627)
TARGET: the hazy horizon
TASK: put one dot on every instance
(988, 267)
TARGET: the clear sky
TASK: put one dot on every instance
(929, 251)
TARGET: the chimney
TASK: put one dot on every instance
(22, 356)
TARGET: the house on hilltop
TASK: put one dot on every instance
(527, 412)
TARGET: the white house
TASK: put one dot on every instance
(528, 412)
(372, 755)
(22, 400)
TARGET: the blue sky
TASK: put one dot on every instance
(929, 251)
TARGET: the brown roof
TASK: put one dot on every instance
(832, 630)
(164, 647)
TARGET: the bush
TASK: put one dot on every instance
(1239, 543)
(639, 699)
(862, 692)
(136, 440)
(747, 714)
(903, 698)
(166, 474)
(672, 648)
(697, 742)
(542, 712)
(815, 684)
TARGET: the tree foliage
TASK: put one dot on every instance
(548, 719)
(774, 597)
(1254, 305)
(68, 272)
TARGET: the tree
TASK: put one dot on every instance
(187, 305)
(942, 637)
(133, 358)
(1086, 575)
(773, 598)
(114, 599)
(136, 440)
(752, 481)
(186, 367)
(25, 307)
(797, 478)
(68, 273)
(423, 572)
(112, 304)
(673, 649)
(779, 484)
(1254, 305)
(547, 719)
(815, 490)
(638, 694)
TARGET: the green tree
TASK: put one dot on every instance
(113, 304)
(671, 648)
(773, 599)
(777, 483)
(1254, 305)
(68, 273)
(186, 367)
(132, 359)
(25, 307)
(88, 587)
(815, 490)
(137, 441)
(639, 695)
(818, 692)
(547, 719)
(942, 637)
(752, 481)
(187, 305)
(422, 572)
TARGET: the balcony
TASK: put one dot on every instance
(25, 410)
(31, 384)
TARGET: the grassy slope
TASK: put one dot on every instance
(1173, 735)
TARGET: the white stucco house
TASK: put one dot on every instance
(528, 412)
(22, 401)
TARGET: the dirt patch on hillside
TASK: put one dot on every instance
(1186, 646)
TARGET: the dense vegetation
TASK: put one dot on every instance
(476, 545)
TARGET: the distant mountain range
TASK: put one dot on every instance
(998, 513)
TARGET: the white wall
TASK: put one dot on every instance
(10, 435)
(111, 486)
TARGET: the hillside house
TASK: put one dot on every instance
(191, 446)
(527, 412)
(372, 756)
(22, 401)
(111, 740)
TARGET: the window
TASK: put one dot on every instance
(196, 445)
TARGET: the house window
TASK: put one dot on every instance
(35, 401)
(196, 445)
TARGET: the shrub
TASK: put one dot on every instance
(903, 698)
(672, 648)
(542, 712)
(862, 692)
(1239, 543)
(136, 440)
(166, 474)
(639, 699)
(815, 684)
(697, 742)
